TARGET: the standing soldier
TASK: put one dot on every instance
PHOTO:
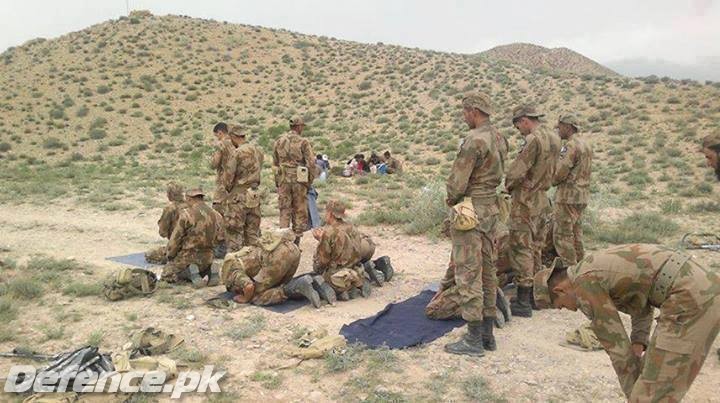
(241, 179)
(528, 179)
(635, 279)
(476, 173)
(573, 192)
(711, 149)
(189, 251)
(294, 168)
(223, 152)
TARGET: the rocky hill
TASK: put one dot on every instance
(542, 58)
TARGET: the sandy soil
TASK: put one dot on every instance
(530, 365)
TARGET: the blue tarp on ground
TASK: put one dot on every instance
(285, 307)
(133, 259)
(400, 325)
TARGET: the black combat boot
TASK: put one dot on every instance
(375, 276)
(353, 293)
(214, 276)
(522, 305)
(343, 296)
(471, 343)
(488, 339)
(365, 289)
(192, 273)
(324, 290)
(301, 287)
(383, 264)
(220, 250)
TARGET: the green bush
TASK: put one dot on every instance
(97, 134)
(52, 143)
(643, 227)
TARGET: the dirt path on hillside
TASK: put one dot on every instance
(530, 365)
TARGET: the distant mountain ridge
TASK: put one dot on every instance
(539, 57)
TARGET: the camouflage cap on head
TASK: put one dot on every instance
(296, 121)
(195, 192)
(336, 208)
(236, 130)
(526, 110)
(541, 291)
(570, 119)
(478, 100)
(175, 191)
(711, 140)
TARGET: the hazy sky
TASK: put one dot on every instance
(679, 32)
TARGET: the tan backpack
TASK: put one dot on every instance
(128, 282)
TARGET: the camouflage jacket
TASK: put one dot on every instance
(532, 172)
(290, 151)
(243, 169)
(478, 167)
(219, 162)
(619, 279)
(572, 177)
(169, 218)
(339, 247)
(197, 229)
(267, 269)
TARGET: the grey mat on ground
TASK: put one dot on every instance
(287, 306)
(133, 259)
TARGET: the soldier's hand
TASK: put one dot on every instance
(317, 233)
(638, 349)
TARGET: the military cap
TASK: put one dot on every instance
(336, 208)
(711, 140)
(195, 192)
(478, 100)
(296, 121)
(526, 110)
(570, 119)
(236, 130)
(541, 291)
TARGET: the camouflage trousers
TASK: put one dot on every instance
(218, 206)
(367, 248)
(174, 270)
(685, 331)
(157, 255)
(472, 274)
(268, 284)
(344, 279)
(567, 232)
(242, 226)
(527, 237)
(292, 202)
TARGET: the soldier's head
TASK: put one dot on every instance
(526, 118)
(567, 126)
(297, 124)
(552, 288)
(220, 129)
(334, 211)
(237, 135)
(386, 154)
(175, 192)
(195, 195)
(477, 108)
(711, 149)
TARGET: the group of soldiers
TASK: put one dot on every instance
(259, 267)
(634, 278)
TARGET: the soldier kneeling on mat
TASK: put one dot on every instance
(263, 275)
(343, 257)
(167, 221)
(190, 249)
(635, 279)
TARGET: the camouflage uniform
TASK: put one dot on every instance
(394, 166)
(529, 177)
(241, 179)
(167, 221)
(476, 173)
(635, 279)
(338, 256)
(573, 192)
(291, 151)
(269, 266)
(192, 240)
(224, 150)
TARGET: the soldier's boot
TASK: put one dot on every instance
(220, 250)
(488, 339)
(324, 290)
(365, 289)
(353, 293)
(383, 264)
(522, 306)
(192, 273)
(301, 287)
(214, 276)
(471, 343)
(375, 275)
(343, 296)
